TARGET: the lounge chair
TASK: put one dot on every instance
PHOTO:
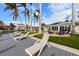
(15, 34)
(37, 47)
(21, 36)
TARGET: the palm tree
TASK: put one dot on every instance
(12, 26)
(30, 21)
(13, 8)
(28, 17)
(35, 17)
(73, 17)
(40, 17)
(34, 22)
(1, 22)
(25, 12)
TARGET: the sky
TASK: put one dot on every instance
(51, 12)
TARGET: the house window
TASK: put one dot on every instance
(65, 28)
(49, 28)
(55, 28)
(62, 28)
(52, 28)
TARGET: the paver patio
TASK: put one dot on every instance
(19, 49)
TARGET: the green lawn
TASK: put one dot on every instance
(32, 33)
(72, 41)
(23, 32)
(39, 36)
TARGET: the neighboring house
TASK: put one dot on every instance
(20, 27)
(4, 27)
(77, 28)
(62, 27)
(43, 27)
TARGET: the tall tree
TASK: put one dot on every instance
(28, 17)
(25, 12)
(73, 17)
(35, 14)
(14, 9)
(30, 21)
(40, 17)
(12, 26)
(1, 22)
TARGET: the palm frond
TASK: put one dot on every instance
(8, 8)
(30, 3)
(13, 8)
(22, 5)
(11, 14)
(38, 10)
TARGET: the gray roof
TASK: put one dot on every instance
(61, 24)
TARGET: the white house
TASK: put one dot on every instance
(62, 27)
(20, 27)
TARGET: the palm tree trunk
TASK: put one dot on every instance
(38, 24)
(34, 24)
(20, 20)
(73, 17)
(28, 24)
(40, 18)
(25, 23)
(14, 23)
(30, 17)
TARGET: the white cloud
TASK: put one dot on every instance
(57, 7)
(59, 12)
